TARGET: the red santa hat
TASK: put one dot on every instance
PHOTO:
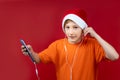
(78, 16)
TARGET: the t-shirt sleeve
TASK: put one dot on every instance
(49, 54)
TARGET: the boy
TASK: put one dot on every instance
(76, 57)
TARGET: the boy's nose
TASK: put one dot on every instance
(71, 31)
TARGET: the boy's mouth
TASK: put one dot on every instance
(72, 37)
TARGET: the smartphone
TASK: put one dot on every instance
(29, 53)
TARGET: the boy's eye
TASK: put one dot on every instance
(67, 27)
(75, 27)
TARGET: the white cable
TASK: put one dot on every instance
(36, 71)
(74, 58)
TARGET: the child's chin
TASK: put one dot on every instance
(73, 41)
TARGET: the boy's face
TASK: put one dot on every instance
(73, 32)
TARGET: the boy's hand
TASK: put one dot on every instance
(24, 51)
(89, 30)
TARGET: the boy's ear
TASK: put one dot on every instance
(82, 32)
(82, 36)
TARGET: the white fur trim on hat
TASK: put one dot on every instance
(76, 19)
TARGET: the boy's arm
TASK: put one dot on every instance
(34, 54)
(110, 51)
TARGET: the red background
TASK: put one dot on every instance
(39, 23)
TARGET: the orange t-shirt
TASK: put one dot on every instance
(88, 55)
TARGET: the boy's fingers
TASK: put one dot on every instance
(25, 53)
(24, 50)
